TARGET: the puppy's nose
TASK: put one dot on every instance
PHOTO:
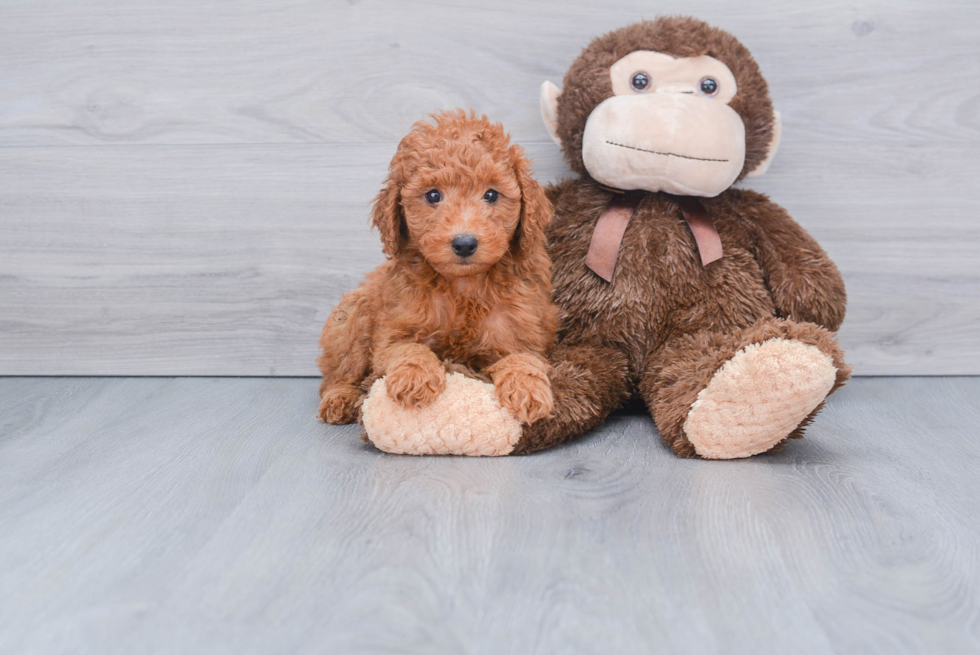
(465, 245)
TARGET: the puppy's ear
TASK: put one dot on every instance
(535, 208)
(388, 218)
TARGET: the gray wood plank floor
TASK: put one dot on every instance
(217, 516)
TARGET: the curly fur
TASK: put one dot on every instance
(490, 312)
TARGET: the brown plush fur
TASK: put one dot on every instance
(666, 324)
(675, 374)
(491, 311)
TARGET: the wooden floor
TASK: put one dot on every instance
(215, 515)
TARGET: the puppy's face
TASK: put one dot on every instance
(462, 205)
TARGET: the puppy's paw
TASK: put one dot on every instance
(416, 382)
(526, 393)
(338, 405)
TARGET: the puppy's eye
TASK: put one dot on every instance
(432, 196)
(640, 81)
(708, 86)
(491, 196)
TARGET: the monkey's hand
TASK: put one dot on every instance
(804, 282)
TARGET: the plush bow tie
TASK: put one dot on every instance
(609, 229)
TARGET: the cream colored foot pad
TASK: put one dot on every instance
(465, 420)
(758, 397)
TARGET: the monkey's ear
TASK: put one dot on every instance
(387, 217)
(536, 210)
(777, 133)
(549, 110)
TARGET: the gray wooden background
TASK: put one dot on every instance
(184, 186)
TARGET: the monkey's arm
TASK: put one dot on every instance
(804, 282)
(555, 190)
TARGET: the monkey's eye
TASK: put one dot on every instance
(708, 86)
(640, 81)
(432, 196)
(491, 196)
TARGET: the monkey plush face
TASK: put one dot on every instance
(655, 106)
(667, 127)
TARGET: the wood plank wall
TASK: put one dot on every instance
(184, 186)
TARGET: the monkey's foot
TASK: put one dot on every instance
(466, 419)
(758, 397)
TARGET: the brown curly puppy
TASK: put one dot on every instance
(467, 279)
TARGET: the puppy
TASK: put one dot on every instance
(467, 281)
